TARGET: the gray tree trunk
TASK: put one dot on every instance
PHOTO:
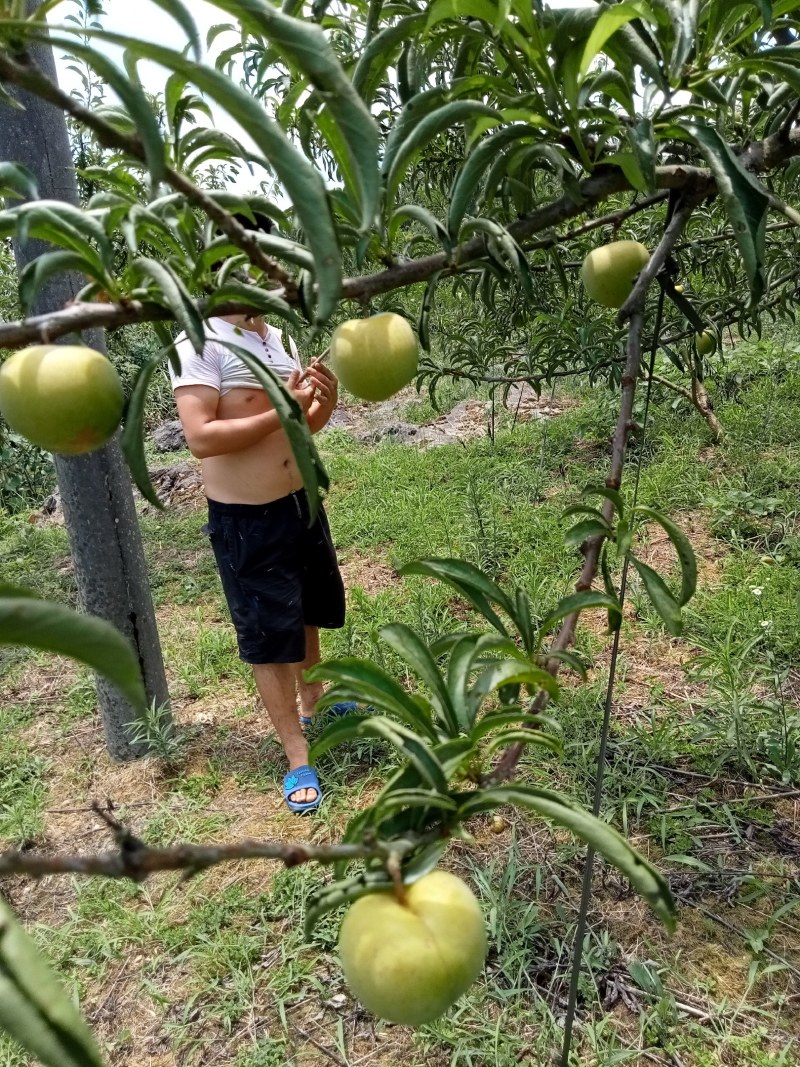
(96, 491)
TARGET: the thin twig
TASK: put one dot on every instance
(740, 933)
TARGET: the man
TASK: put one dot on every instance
(281, 579)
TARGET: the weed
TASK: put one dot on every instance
(155, 731)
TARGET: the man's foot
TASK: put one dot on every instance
(301, 789)
(334, 711)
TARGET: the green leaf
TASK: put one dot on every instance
(180, 12)
(745, 199)
(511, 672)
(261, 300)
(35, 275)
(307, 46)
(367, 683)
(516, 717)
(683, 15)
(427, 218)
(51, 627)
(662, 599)
(175, 296)
(607, 24)
(132, 437)
(312, 471)
(521, 737)
(469, 582)
(607, 493)
(450, 10)
(466, 187)
(302, 182)
(683, 548)
(341, 893)
(580, 602)
(407, 644)
(16, 180)
(381, 52)
(643, 142)
(578, 533)
(34, 1008)
(642, 875)
(425, 131)
(62, 224)
(404, 740)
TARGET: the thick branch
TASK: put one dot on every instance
(603, 183)
(43, 329)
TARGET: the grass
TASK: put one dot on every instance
(705, 735)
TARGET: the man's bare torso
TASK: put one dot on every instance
(256, 475)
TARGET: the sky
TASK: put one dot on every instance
(145, 20)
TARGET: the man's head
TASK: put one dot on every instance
(262, 224)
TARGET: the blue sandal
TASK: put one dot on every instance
(304, 777)
(335, 710)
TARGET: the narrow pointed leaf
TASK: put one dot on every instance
(404, 740)
(521, 737)
(176, 297)
(34, 1007)
(642, 875)
(416, 653)
(469, 582)
(746, 201)
(579, 602)
(466, 187)
(381, 52)
(16, 180)
(582, 531)
(660, 596)
(369, 683)
(50, 627)
(132, 438)
(425, 131)
(684, 550)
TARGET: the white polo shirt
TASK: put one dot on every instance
(220, 368)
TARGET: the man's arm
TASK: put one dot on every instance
(209, 436)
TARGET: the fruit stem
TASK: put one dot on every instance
(393, 867)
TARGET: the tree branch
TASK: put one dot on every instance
(44, 329)
(30, 78)
(605, 182)
(136, 860)
(634, 310)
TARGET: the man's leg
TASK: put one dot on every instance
(309, 692)
(276, 684)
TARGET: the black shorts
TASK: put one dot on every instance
(279, 575)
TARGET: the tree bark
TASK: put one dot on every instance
(96, 491)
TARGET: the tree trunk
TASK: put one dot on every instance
(96, 491)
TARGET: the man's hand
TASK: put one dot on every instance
(301, 389)
(326, 395)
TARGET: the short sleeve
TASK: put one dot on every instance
(293, 352)
(196, 368)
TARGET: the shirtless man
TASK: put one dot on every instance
(280, 577)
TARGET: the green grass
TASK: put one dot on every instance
(216, 969)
